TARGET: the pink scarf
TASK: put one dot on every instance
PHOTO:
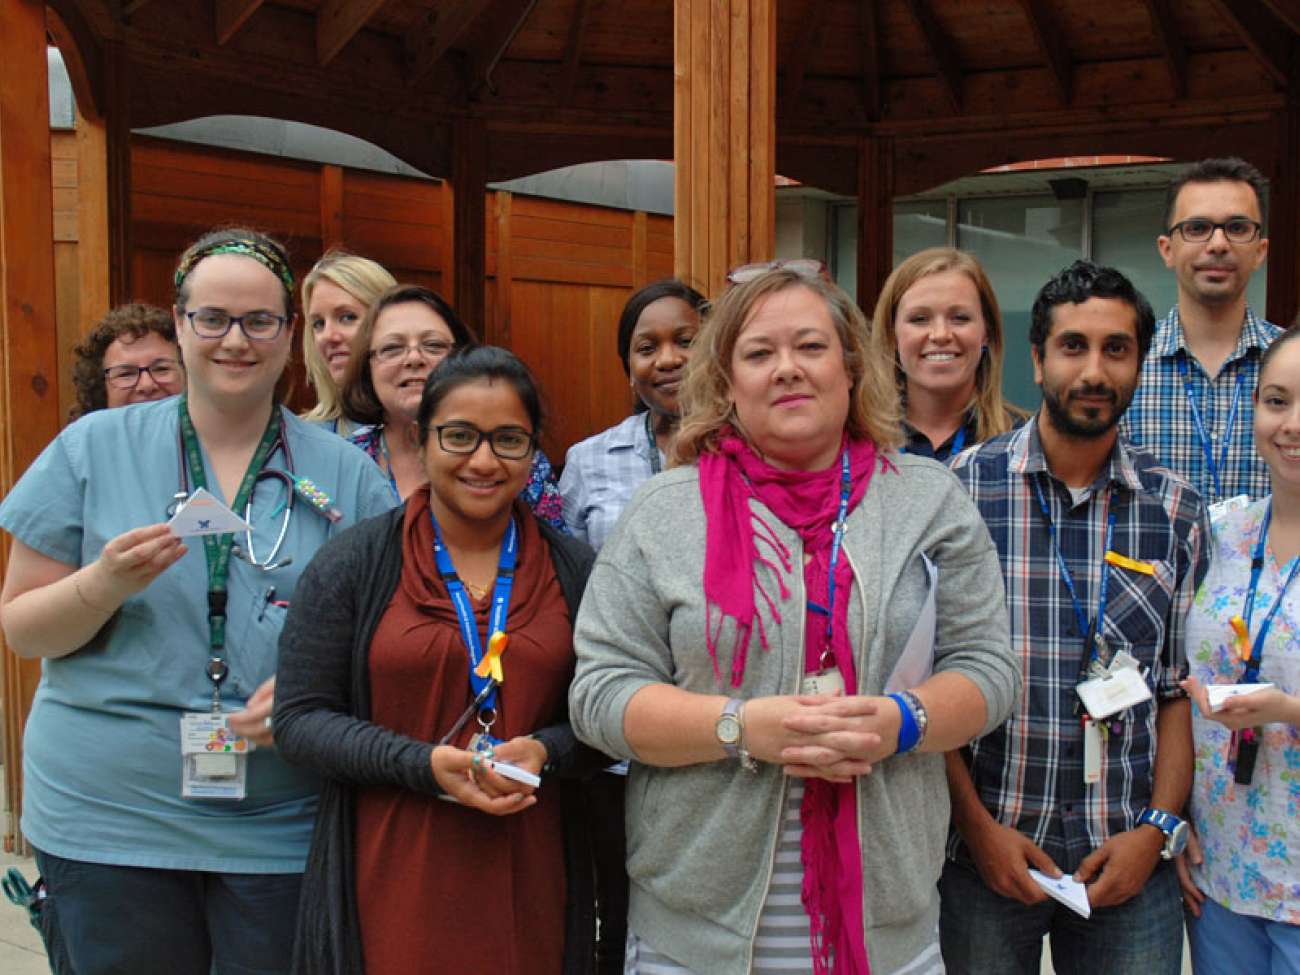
(806, 501)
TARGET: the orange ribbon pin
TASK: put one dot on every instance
(491, 662)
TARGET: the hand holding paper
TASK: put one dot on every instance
(1066, 890)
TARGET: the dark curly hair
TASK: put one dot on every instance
(134, 320)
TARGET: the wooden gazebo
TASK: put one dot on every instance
(873, 98)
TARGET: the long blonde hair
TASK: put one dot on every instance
(365, 280)
(993, 414)
(706, 397)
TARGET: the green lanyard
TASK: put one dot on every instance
(216, 548)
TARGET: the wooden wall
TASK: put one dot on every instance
(558, 273)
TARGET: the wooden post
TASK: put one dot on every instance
(1284, 212)
(500, 334)
(92, 222)
(640, 269)
(469, 231)
(875, 217)
(724, 137)
(29, 398)
(117, 121)
(331, 207)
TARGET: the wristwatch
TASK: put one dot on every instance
(730, 730)
(1175, 830)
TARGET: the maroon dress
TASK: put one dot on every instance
(442, 888)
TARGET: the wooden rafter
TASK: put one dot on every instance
(1288, 11)
(573, 49)
(1265, 36)
(442, 29)
(1051, 43)
(941, 50)
(129, 7)
(230, 15)
(338, 22)
(872, 98)
(805, 46)
(1171, 43)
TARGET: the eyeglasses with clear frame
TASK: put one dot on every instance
(807, 268)
(164, 372)
(431, 350)
(508, 443)
(1197, 230)
(257, 326)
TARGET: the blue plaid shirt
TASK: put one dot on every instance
(602, 473)
(1029, 771)
(1160, 417)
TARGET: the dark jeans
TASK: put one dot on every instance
(983, 933)
(140, 921)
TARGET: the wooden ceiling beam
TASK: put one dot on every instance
(1051, 43)
(573, 49)
(1263, 34)
(941, 50)
(805, 45)
(338, 22)
(1287, 11)
(230, 15)
(443, 28)
(872, 98)
(1172, 47)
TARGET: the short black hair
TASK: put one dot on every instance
(470, 364)
(643, 299)
(1228, 170)
(1076, 284)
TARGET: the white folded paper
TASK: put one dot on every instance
(1219, 694)
(513, 772)
(1066, 890)
(203, 514)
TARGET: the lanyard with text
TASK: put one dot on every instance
(827, 678)
(216, 548)
(1094, 644)
(1203, 435)
(482, 686)
(655, 464)
(1252, 653)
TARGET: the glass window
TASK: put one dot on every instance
(1021, 242)
(917, 225)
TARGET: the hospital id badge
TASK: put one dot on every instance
(214, 760)
(828, 680)
(1104, 696)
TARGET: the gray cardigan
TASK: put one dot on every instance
(702, 838)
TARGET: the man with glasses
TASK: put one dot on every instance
(1194, 408)
(130, 357)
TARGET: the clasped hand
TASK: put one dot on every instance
(834, 738)
(477, 786)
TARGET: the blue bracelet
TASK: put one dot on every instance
(909, 732)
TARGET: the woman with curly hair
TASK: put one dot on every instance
(130, 357)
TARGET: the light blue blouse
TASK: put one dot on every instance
(101, 763)
(600, 476)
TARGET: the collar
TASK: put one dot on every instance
(629, 434)
(1027, 457)
(1170, 340)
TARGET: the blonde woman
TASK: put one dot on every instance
(937, 321)
(336, 294)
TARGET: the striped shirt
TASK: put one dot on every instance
(1029, 771)
(781, 945)
(602, 473)
(1161, 419)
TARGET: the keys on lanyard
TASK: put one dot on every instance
(1203, 435)
(486, 672)
(827, 679)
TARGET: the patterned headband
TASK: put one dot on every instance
(259, 252)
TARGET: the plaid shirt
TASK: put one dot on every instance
(602, 473)
(1160, 417)
(1029, 771)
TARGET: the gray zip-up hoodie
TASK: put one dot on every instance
(701, 839)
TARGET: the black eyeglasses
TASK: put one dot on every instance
(508, 443)
(164, 372)
(257, 326)
(1238, 230)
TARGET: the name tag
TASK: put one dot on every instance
(827, 681)
(214, 760)
(1121, 689)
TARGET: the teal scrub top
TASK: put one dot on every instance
(102, 762)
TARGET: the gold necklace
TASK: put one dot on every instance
(478, 592)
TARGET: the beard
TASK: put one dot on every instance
(1086, 427)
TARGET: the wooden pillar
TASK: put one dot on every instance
(1284, 215)
(94, 288)
(29, 399)
(500, 332)
(331, 207)
(724, 137)
(469, 219)
(117, 122)
(875, 217)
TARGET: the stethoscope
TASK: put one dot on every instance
(285, 477)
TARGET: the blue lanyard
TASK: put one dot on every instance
(1202, 435)
(837, 539)
(1251, 675)
(465, 609)
(1090, 648)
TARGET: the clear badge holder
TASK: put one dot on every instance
(214, 760)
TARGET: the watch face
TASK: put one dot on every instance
(1177, 841)
(728, 729)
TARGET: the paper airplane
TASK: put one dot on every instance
(1218, 694)
(1064, 889)
(203, 514)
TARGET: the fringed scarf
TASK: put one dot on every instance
(807, 502)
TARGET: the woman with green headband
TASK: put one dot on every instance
(170, 834)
